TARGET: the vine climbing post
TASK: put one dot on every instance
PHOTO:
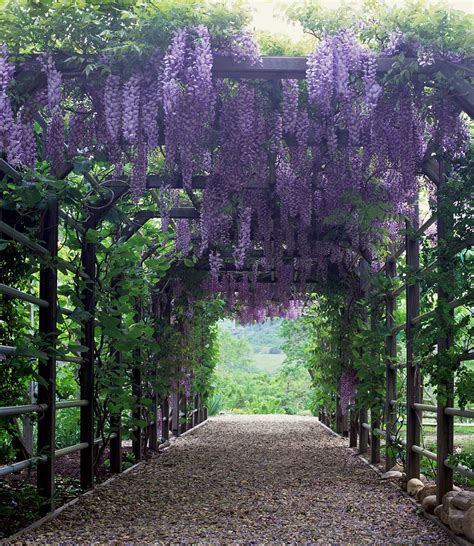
(445, 423)
(154, 410)
(47, 367)
(183, 412)
(413, 373)
(116, 427)
(375, 410)
(116, 416)
(175, 411)
(87, 366)
(165, 424)
(339, 425)
(390, 366)
(137, 442)
(364, 285)
(352, 428)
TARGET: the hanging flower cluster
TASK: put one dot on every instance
(347, 389)
(289, 173)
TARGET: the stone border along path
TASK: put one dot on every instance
(246, 479)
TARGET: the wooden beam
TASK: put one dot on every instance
(272, 67)
(86, 372)
(445, 422)
(47, 368)
(461, 90)
(413, 385)
(390, 368)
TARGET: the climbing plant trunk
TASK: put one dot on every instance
(137, 442)
(175, 412)
(87, 365)
(339, 425)
(116, 416)
(47, 367)
(364, 290)
(165, 424)
(390, 370)
(445, 423)
(183, 412)
(414, 392)
(353, 428)
(375, 410)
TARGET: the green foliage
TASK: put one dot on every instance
(434, 25)
(113, 27)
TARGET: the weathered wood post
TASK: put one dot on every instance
(339, 428)
(391, 369)
(413, 373)
(47, 368)
(165, 423)
(445, 423)
(116, 417)
(137, 442)
(175, 412)
(116, 428)
(195, 410)
(87, 366)
(364, 287)
(183, 412)
(154, 412)
(375, 409)
(353, 428)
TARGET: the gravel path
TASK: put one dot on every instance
(247, 479)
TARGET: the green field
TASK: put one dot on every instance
(268, 363)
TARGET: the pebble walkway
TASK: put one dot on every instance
(246, 479)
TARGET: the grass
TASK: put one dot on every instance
(268, 363)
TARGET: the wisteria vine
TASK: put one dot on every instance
(289, 174)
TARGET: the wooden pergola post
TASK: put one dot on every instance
(87, 366)
(116, 428)
(165, 423)
(413, 374)
(175, 412)
(195, 419)
(153, 442)
(183, 412)
(364, 289)
(353, 428)
(137, 441)
(445, 423)
(390, 370)
(339, 427)
(47, 368)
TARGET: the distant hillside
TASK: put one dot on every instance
(264, 338)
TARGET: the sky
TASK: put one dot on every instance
(265, 17)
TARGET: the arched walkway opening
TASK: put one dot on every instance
(162, 175)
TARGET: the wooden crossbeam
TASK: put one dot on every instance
(273, 67)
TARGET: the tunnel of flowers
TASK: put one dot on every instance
(152, 187)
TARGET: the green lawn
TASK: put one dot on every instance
(267, 362)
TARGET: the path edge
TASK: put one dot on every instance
(457, 539)
(55, 513)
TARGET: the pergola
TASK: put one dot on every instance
(275, 69)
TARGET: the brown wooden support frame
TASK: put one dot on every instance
(390, 369)
(353, 428)
(183, 412)
(364, 290)
(413, 387)
(445, 423)
(87, 367)
(339, 426)
(175, 412)
(165, 420)
(47, 368)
